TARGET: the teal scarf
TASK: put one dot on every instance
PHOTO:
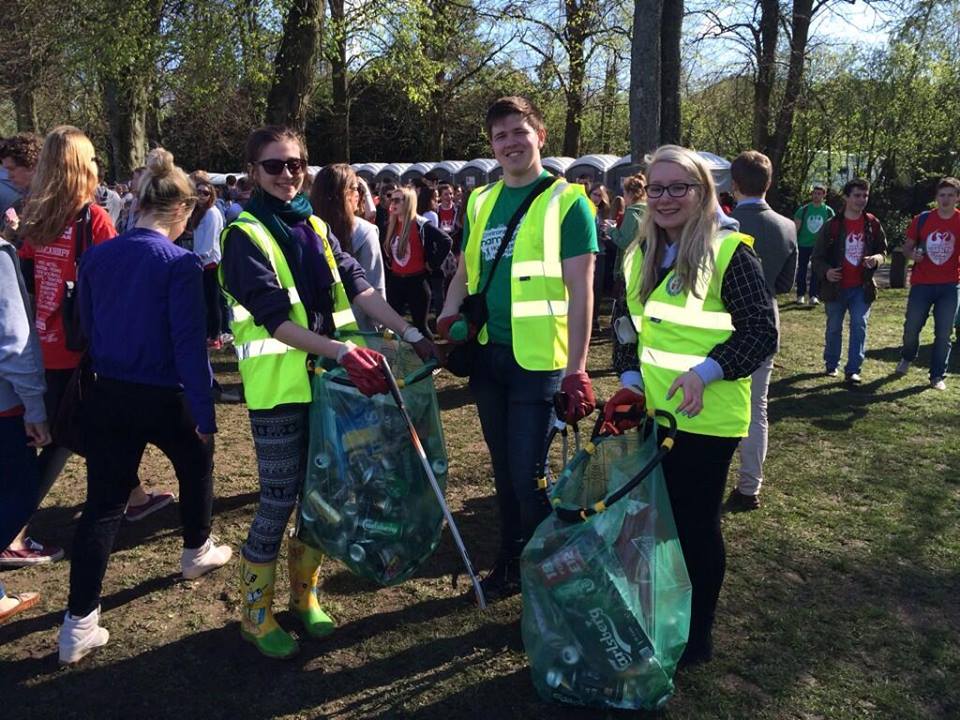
(277, 215)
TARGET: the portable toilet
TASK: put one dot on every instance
(392, 172)
(557, 165)
(447, 170)
(417, 170)
(720, 169)
(476, 173)
(496, 172)
(368, 171)
(593, 166)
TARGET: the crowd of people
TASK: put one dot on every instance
(507, 279)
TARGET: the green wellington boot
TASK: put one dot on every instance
(304, 564)
(258, 625)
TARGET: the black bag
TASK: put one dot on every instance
(72, 330)
(67, 428)
(461, 359)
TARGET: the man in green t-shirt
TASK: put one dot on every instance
(539, 305)
(809, 219)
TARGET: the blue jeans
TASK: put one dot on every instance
(851, 299)
(803, 260)
(516, 409)
(19, 479)
(943, 298)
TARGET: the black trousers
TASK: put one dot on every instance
(211, 297)
(120, 419)
(696, 475)
(411, 291)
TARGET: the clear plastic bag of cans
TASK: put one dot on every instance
(606, 600)
(366, 498)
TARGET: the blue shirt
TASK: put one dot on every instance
(142, 309)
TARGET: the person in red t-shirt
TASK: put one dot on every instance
(59, 221)
(932, 242)
(848, 252)
(403, 246)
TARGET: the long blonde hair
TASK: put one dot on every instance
(408, 216)
(694, 252)
(64, 182)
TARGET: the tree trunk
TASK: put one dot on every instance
(340, 83)
(645, 74)
(766, 72)
(802, 13)
(295, 65)
(125, 100)
(578, 21)
(26, 109)
(670, 34)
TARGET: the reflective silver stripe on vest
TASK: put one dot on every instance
(258, 348)
(536, 268)
(539, 308)
(551, 222)
(240, 313)
(482, 198)
(669, 360)
(689, 315)
(637, 322)
(343, 317)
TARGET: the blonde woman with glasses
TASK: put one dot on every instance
(702, 322)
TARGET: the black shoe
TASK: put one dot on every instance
(695, 655)
(738, 502)
(502, 581)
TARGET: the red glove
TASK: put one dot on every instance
(365, 370)
(455, 328)
(623, 411)
(579, 396)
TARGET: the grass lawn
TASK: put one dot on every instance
(842, 594)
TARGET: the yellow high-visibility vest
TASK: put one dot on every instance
(274, 373)
(676, 331)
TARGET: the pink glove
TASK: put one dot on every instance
(365, 369)
(578, 392)
(623, 411)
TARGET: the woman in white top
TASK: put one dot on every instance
(207, 223)
(335, 197)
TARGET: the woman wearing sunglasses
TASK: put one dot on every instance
(705, 321)
(290, 286)
(207, 222)
(413, 247)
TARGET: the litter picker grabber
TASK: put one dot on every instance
(415, 439)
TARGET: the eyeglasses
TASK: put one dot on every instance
(396, 200)
(674, 190)
(203, 191)
(275, 166)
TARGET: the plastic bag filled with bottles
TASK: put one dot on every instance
(606, 595)
(366, 498)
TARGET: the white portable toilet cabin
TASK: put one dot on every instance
(594, 166)
(447, 170)
(557, 164)
(220, 179)
(625, 167)
(620, 171)
(391, 172)
(476, 173)
(368, 171)
(417, 170)
(720, 169)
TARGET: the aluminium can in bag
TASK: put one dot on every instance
(366, 498)
(606, 601)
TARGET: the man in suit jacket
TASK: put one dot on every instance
(775, 242)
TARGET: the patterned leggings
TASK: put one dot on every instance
(280, 440)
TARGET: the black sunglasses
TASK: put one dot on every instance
(275, 167)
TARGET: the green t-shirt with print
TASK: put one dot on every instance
(578, 236)
(810, 222)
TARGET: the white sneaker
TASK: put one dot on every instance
(902, 367)
(938, 384)
(814, 300)
(800, 300)
(201, 560)
(80, 635)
